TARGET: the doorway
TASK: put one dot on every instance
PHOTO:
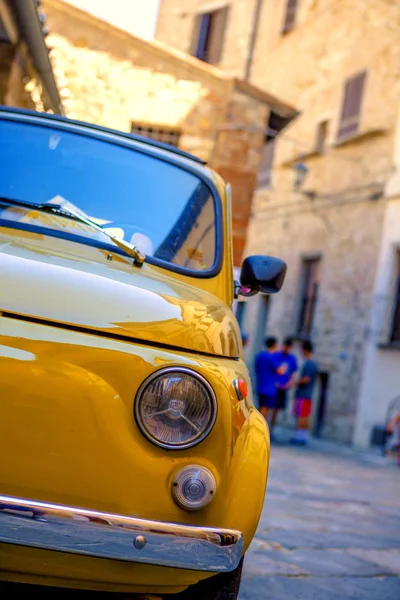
(322, 403)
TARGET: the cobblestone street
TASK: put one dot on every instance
(330, 528)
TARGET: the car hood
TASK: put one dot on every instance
(67, 284)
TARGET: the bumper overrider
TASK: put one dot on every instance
(118, 537)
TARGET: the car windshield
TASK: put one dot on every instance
(166, 211)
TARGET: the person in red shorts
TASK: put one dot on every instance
(304, 393)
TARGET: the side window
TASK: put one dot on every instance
(290, 16)
(208, 35)
(351, 107)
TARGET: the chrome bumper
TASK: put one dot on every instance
(117, 537)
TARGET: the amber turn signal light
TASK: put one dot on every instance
(240, 388)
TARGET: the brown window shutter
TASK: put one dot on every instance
(350, 116)
(290, 16)
(267, 158)
(216, 36)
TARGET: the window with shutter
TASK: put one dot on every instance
(351, 108)
(200, 35)
(290, 16)
(208, 35)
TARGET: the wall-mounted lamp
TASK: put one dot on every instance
(300, 172)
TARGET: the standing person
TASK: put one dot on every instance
(286, 380)
(304, 392)
(268, 367)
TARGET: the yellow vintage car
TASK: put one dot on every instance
(133, 458)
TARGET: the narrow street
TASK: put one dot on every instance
(330, 528)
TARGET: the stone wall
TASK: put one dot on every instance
(114, 79)
(237, 157)
(346, 237)
(330, 40)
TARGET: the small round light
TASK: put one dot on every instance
(175, 408)
(193, 487)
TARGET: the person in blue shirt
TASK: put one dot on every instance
(267, 369)
(285, 381)
(304, 394)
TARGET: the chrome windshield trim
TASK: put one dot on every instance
(118, 537)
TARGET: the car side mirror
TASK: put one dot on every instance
(264, 274)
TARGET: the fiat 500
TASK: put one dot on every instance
(133, 458)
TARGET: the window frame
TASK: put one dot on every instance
(113, 137)
(203, 34)
(353, 92)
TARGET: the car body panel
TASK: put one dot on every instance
(80, 389)
(81, 328)
(84, 289)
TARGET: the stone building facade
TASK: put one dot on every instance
(380, 382)
(320, 201)
(112, 78)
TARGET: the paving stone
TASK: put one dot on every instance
(330, 529)
(328, 539)
(321, 588)
(389, 560)
(332, 562)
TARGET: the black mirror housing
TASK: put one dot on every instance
(264, 274)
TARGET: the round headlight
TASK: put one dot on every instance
(175, 408)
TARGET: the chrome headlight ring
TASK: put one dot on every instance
(175, 408)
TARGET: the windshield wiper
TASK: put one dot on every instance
(58, 209)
